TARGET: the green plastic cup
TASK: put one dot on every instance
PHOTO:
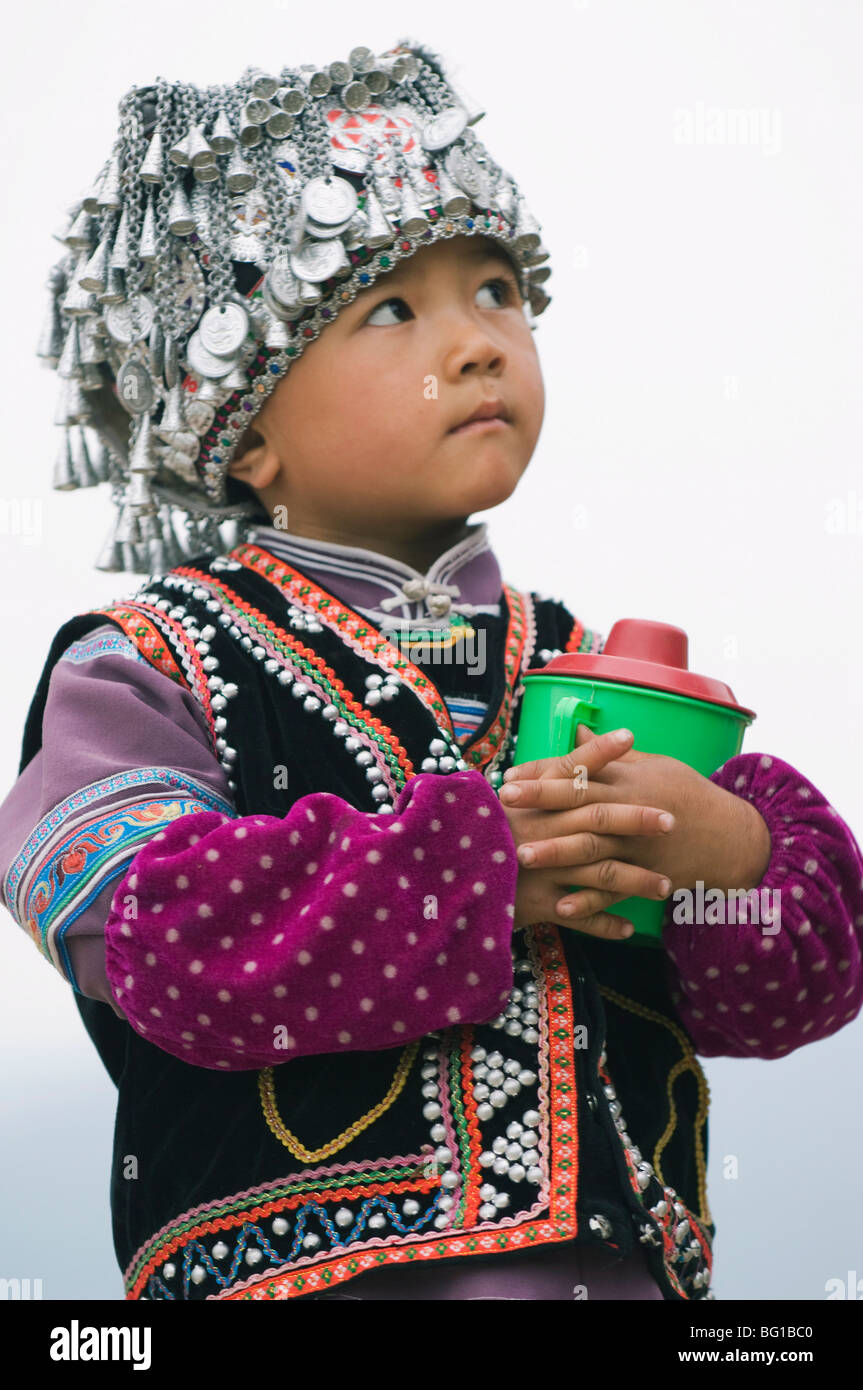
(640, 682)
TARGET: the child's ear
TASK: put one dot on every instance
(247, 453)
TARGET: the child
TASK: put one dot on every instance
(259, 825)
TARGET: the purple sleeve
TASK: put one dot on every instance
(124, 751)
(792, 974)
(243, 943)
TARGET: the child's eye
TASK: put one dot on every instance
(505, 287)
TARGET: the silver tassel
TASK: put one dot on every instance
(526, 229)
(210, 391)
(85, 474)
(173, 553)
(109, 189)
(110, 558)
(80, 234)
(90, 201)
(199, 148)
(380, 231)
(79, 301)
(277, 335)
(179, 153)
(102, 463)
(309, 293)
(426, 192)
(453, 201)
(222, 138)
(78, 411)
(91, 348)
(60, 413)
(140, 459)
(69, 364)
(119, 258)
(412, 218)
(115, 290)
(63, 477)
(387, 193)
(180, 219)
(240, 176)
(206, 173)
(96, 269)
(51, 338)
(237, 379)
(152, 167)
(503, 198)
(147, 244)
(172, 416)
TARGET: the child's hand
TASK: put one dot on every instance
(579, 847)
(717, 838)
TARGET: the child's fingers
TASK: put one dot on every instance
(608, 875)
(589, 833)
(601, 924)
(593, 755)
(585, 903)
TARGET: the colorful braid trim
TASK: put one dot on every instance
(551, 1220)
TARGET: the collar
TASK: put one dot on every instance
(464, 579)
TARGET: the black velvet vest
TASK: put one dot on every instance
(220, 1209)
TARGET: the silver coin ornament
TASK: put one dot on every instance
(223, 329)
(352, 161)
(200, 415)
(443, 128)
(205, 363)
(135, 388)
(322, 231)
(119, 319)
(281, 282)
(317, 260)
(329, 200)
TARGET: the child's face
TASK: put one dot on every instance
(357, 438)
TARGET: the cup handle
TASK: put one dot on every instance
(569, 712)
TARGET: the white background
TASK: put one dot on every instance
(703, 358)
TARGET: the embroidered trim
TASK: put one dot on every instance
(75, 851)
(107, 644)
(304, 1194)
(363, 638)
(141, 628)
(475, 754)
(290, 652)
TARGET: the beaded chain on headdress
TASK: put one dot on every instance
(227, 229)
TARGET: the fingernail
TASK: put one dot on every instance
(665, 886)
(567, 909)
(512, 792)
(622, 735)
(666, 821)
(627, 929)
(509, 775)
(526, 854)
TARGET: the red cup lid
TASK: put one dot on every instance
(653, 655)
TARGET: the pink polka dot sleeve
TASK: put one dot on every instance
(241, 943)
(792, 973)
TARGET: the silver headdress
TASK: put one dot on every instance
(227, 229)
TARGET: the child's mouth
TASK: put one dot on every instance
(474, 426)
